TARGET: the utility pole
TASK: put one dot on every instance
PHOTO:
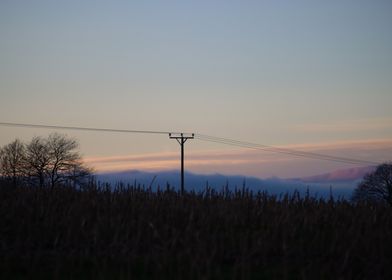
(181, 139)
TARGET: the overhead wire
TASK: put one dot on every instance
(84, 128)
(206, 138)
(273, 149)
(281, 150)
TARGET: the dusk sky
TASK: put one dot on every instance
(309, 75)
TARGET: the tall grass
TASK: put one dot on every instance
(130, 232)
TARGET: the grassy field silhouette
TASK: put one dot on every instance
(124, 232)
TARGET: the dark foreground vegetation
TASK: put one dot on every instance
(133, 233)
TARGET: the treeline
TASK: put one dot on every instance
(43, 162)
(127, 232)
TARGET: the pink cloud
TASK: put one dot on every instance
(253, 162)
(349, 174)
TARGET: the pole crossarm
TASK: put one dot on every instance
(181, 139)
(179, 136)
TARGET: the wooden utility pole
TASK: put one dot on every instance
(181, 139)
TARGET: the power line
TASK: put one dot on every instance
(281, 150)
(273, 149)
(84, 128)
(207, 138)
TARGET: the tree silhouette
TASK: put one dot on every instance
(12, 161)
(376, 186)
(44, 161)
(63, 159)
(37, 161)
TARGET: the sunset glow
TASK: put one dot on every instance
(256, 163)
(313, 76)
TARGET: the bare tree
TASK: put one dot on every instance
(12, 161)
(44, 161)
(37, 161)
(54, 160)
(65, 162)
(78, 174)
(62, 157)
(376, 186)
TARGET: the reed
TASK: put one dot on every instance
(129, 231)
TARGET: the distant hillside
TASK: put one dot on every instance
(198, 182)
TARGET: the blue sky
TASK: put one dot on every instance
(274, 72)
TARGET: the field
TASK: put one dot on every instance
(134, 233)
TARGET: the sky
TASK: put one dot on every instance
(310, 75)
